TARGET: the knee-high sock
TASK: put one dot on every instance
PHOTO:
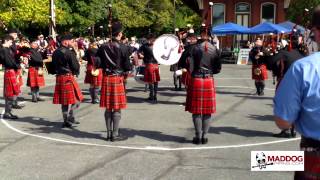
(155, 89)
(262, 85)
(34, 93)
(96, 93)
(151, 88)
(108, 119)
(73, 108)
(197, 122)
(257, 84)
(8, 105)
(15, 100)
(206, 121)
(116, 117)
(65, 109)
(175, 80)
(91, 93)
(37, 90)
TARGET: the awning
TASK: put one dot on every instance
(229, 28)
(268, 27)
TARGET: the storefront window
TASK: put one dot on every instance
(218, 15)
(268, 12)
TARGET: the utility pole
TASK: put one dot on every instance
(174, 16)
(52, 28)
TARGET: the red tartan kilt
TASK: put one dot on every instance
(311, 165)
(264, 72)
(201, 96)
(19, 75)
(67, 90)
(11, 86)
(93, 80)
(34, 79)
(186, 79)
(113, 95)
(151, 74)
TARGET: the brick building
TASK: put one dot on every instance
(243, 12)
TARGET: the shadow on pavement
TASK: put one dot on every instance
(240, 132)
(155, 135)
(45, 126)
(261, 117)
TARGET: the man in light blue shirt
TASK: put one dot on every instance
(297, 102)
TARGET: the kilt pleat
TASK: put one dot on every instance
(19, 76)
(113, 96)
(93, 80)
(67, 90)
(201, 96)
(151, 74)
(34, 79)
(11, 85)
(264, 72)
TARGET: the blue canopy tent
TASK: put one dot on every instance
(267, 27)
(229, 29)
(290, 25)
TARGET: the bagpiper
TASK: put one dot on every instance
(114, 63)
(201, 97)
(11, 86)
(259, 68)
(36, 73)
(67, 91)
(94, 72)
(15, 53)
(151, 74)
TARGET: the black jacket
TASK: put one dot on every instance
(65, 61)
(114, 57)
(35, 58)
(7, 59)
(148, 57)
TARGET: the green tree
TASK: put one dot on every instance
(296, 11)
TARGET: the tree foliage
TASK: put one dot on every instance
(78, 15)
(296, 11)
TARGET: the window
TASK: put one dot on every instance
(242, 8)
(268, 12)
(218, 14)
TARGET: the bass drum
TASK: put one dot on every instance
(166, 49)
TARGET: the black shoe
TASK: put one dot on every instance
(261, 94)
(196, 141)
(17, 106)
(155, 100)
(66, 124)
(10, 116)
(73, 120)
(109, 135)
(150, 99)
(283, 134)
(34, 100)
(40, 99)
(120, 137)
(204, 140)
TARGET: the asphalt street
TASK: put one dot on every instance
(159, 145)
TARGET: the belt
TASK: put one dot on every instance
(309, 143)
(204, 76)
(111, 74)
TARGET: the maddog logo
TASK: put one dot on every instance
(277, 161)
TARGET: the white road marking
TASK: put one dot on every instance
(151, 148)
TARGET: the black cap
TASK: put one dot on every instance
(116, 28)
(66, 37)
(12, 30)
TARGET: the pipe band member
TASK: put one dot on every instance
(201, 97)
(115, 63)
(11, 86)
(67, 91)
